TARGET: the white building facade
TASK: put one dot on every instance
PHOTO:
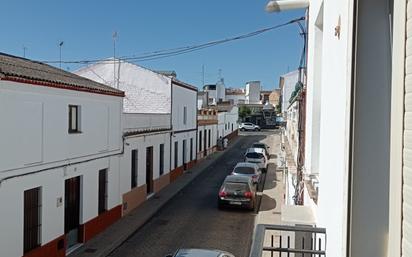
(145, 162)
(252, 92)
(58, 177)
(206, 132)
(347, 130)
(184, 128)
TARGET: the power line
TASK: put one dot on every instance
(165, 53)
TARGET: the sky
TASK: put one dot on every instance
(86, 28)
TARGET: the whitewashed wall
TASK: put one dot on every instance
(236, 98)
(227, 118)
(140, 143)
(183, 97)
(35, 127)
(213, 136)
(290, 80)
(146, 91)
(252, 92)
(335, 79)
(179, 137)
(34, 137)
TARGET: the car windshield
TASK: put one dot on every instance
(234, 186)
(259, 145)
(254, 155)
(244, 170)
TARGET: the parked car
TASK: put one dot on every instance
(249, 170)
(257, 156)
(237, 191)
(264, 147)
(200, 253)
(248, 126)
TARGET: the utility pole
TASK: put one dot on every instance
(203, 75)
(114, 58)
(24, 51)
(60, 50)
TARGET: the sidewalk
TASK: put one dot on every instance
(107, 241)
(272, 196)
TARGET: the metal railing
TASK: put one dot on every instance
(290, 241)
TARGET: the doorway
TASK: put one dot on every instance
(184, 154)
(72, 211)
(149, 169)
(204, 145)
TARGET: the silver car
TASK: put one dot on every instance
(200, 253)
(247, 169)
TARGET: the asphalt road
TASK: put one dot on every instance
(192, 219)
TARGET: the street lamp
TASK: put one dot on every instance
(284, 5)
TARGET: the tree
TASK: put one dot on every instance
(244, 111)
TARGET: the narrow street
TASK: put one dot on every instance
(192, 220)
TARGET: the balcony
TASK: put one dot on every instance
(291, 241)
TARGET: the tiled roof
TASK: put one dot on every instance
(23, 70)
(183, 84)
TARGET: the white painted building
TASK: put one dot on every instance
(287, 85)
(207, 123)
(228, 117)
(61, 137)
(252, 92)
(184, 127)
(235, 96)
(145, 163)
(348, 154)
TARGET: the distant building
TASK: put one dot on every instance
(264, 96)
(207, 121)
(252, 92)
(202, 100)
(287, 84)
(274, 97)
(216, 92)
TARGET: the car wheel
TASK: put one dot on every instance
(242, 129)
(256, 129)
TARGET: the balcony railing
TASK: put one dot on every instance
(291, 241)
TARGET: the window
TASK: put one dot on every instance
(74, 118)
(225, 126)
(208, 139)
(176, 153)
(161, 159)
(200, 141)
(102, 191)
(135, 169)
(32, 219)
(232, 126)
(191, 149)
(184, 115)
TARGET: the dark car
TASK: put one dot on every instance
(200, 253)
(237, 191)
(264, 147)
